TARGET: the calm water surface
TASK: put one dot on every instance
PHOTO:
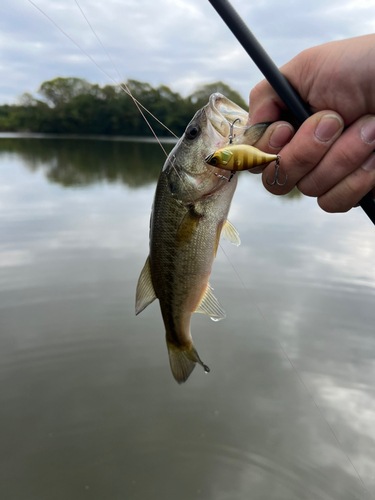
(88, 406)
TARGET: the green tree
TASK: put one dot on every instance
(75, 106)
(201, 95)
(62, 90)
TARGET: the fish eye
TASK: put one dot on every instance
(192, 132)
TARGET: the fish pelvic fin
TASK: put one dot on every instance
(145, 289)
(182, 360)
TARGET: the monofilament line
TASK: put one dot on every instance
(297, 374)
(139, 106)
(126, 90)
(117, 71)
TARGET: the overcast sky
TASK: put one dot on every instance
(180, 43)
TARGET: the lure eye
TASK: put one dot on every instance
(213, 161)
(192, 132)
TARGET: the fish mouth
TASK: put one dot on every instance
(209, 157)
(224, 118)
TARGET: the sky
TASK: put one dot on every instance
(179, 43)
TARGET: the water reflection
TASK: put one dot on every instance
(87, 402)
(84, 162)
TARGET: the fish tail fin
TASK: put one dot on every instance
(182, 360)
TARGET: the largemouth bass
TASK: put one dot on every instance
(189, 215)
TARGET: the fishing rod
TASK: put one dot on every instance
(273, 75)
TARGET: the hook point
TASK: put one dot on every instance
(275, 181)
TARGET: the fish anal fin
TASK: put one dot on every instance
(188, 226)
(210, 305)
(145, 290)
(183, 360)
(230, 233)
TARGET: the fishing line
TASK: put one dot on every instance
(294, 102)
(171, 162)
(297, 373)
(139, 105)
(126, 90)
(117, 71)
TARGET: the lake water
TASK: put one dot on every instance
(88, 406)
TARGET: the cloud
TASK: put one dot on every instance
(181, 44)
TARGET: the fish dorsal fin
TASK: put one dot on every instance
(253, 133)
(210, 305)
(229, 232)
(145, 289)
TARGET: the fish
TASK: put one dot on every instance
(189, 215)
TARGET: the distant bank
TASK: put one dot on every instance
(74, 106)
(88, 137)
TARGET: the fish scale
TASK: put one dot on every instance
(189, 214)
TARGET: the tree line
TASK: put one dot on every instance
(75, 106)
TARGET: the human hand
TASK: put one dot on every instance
(337, 80)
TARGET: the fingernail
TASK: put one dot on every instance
(368, 131)
(369, 164)
(281, 135)
(328, 127)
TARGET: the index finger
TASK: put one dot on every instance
(265, 104)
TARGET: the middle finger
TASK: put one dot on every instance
(306, 149)
(346, 155)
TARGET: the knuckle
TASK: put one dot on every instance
(347, 158)
(332, 204)
(299, 160)
(341, 199)
(256, 92)
(309, 187)
(351, 186)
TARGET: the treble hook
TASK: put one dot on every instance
(275, 181)
(231, 135)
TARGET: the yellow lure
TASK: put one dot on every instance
(239, 157)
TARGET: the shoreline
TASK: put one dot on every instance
(88, 137)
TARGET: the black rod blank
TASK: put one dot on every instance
(274, 76)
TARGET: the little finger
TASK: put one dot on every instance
(347, 193)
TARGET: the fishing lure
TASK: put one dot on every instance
(243, 157)
(239, 157)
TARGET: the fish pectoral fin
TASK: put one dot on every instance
(145, 289)
(183, 360)
(254, 133)
(188, 226)
(210, 305)
(229, 232)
